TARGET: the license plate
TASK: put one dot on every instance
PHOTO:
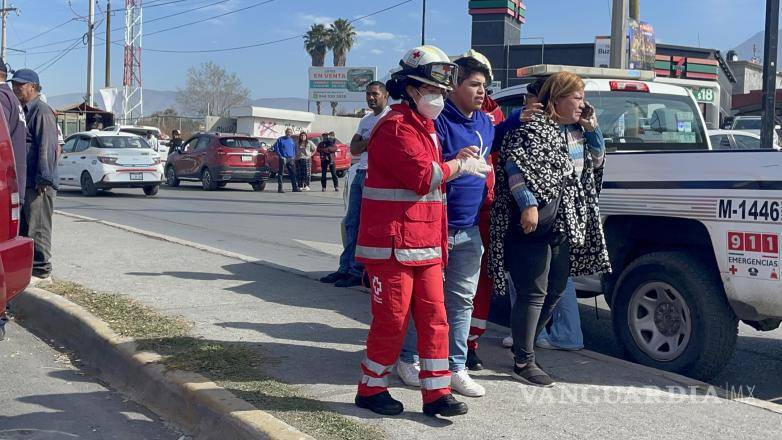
(136, 176)
(247, 158)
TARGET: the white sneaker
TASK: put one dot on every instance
(462, 383)
(409, 373)
(507, 342)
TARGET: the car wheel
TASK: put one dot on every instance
(171, 179)
(671, 312)
(258, 186)
(207, 181)
(151, 190)
(341, 173)
(88, 187)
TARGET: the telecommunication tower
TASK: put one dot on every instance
(133, 103)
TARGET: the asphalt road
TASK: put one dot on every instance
(302, 230)
(45, 397)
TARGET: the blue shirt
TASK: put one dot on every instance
(285, 147)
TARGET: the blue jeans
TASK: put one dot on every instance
(565, 331)
(347, 261)
(461, 282)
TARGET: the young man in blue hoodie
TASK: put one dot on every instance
(461, 124)
(285, 147)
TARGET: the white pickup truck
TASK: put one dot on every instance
(693, 233)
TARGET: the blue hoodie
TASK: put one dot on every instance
(456, 131)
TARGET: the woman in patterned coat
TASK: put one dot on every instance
(545, 222)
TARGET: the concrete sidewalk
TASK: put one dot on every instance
(315, 334)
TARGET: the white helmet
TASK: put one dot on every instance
(480, 58)
(429, 65)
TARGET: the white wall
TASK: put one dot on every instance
(269, 124)
(342, 126)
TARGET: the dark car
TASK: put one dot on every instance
(342, 157)
(16, 253)
(217, 159)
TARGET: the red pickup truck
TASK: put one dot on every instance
(16, 253)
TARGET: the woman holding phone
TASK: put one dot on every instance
(545, 219)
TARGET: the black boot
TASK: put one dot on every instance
(381, 403)
(280, 190)
(446, 406)
(474, 363)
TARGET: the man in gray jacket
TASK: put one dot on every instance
(41, 185)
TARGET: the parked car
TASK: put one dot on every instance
(217, 159)
(342, 158)
(753, 124)
(16, 253)
(734, 140)
(100, 160)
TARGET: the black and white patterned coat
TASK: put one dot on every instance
(540, 151)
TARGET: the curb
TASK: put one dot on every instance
(189, 400)
(682, 380)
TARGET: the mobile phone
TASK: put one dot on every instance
(588, 111)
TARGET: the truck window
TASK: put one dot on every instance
(638, 121)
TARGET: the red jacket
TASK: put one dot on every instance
(402, 210)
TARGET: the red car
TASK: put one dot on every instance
(16, 253)
(217, 159)
(342, 157)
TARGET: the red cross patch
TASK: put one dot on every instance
(733, 270)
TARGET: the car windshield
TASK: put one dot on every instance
(644, 121)
(747, 124)
(240, 142)
(121, 142)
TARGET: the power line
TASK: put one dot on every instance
(46, 31)
(267, 43)
(210, 18)
(52, 61)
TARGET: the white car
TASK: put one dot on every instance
(99, 160)
(734, 140)
(753, 124)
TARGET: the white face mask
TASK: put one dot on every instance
(430, 105)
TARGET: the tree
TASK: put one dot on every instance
(316, 43)
(211, 90)
(342, 36)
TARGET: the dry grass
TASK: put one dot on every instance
(234, 367)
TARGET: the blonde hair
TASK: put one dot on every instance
(556, 86)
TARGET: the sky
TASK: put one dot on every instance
(280, 69)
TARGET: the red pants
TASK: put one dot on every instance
(395, 291)
(482, 299)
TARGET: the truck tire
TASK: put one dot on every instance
(670, 312)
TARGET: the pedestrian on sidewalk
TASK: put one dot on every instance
(42, 180)
(326, 149)
(350, 272)
(305, 148)
(545, 219)
(403, 236)
(17, 128)
(285, 147)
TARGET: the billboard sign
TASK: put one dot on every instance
(602, 51)
(340, 84)
(643, 47)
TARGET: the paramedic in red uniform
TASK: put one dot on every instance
(402, 237)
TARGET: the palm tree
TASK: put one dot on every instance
(342, 36)
(317, 44)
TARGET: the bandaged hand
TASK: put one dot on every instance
(474, 167)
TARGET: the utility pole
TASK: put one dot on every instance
(619, 34)
(423, 25)
(107, 82)
(4, 11)
(770, 73)
(90, 52)
(635, 10)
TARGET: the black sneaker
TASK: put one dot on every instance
(381, 403)
(446, 406)
(474, 363)
(531, 374)
(349, 281)
(280, 190)
(333, 277)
